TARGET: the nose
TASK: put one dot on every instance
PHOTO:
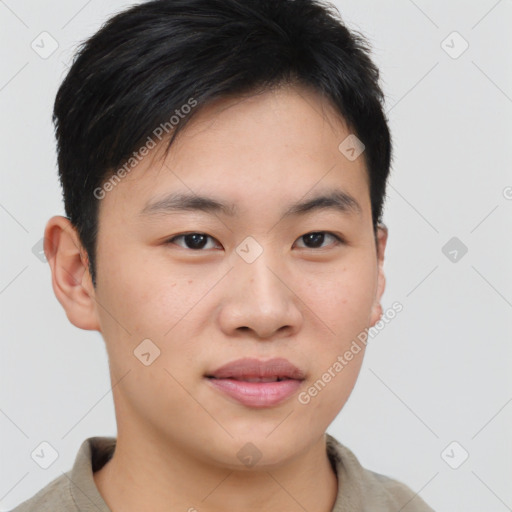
(260, 302)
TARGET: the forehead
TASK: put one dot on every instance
(278, 144)
(288, 117)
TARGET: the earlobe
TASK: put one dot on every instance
(381, 241)
(71, 280)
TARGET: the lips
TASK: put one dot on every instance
(254, 370)
(255, 383)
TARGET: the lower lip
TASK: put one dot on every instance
(257, 394)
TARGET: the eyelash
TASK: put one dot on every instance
(338, 239)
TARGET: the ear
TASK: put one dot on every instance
(71, 279)
(381, 239)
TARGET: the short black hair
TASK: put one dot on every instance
(148, 62)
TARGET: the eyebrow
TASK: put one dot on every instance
(177, 202)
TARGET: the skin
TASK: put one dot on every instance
(178, 437)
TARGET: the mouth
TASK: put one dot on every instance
(256, 383)
(252, 379)
(255, 370)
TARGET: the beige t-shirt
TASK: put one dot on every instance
(359, 490)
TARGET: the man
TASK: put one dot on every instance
(224, 166)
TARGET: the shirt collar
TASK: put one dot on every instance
(92, 455)
(96, 451)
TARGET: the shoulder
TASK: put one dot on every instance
(397, 493)
(373, 491)
(76, 489)
(53, 497)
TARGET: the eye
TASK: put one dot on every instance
(195, 241)
(198, 241)
(314, 240)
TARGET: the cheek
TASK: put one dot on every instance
(342, 302)
(146, 294)
(156, 302)
(329, 388)
(342, 298)
(143, 302)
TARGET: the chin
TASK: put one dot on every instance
(256, 450)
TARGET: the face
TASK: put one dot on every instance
(257, 279)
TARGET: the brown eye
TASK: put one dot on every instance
(316, 239)
(193, 241)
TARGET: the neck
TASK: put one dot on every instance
(144, 476)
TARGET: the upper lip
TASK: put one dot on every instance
(255, 368)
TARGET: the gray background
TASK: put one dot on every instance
(438, 373)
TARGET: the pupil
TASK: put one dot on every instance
(315, 238)
(195, 240)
